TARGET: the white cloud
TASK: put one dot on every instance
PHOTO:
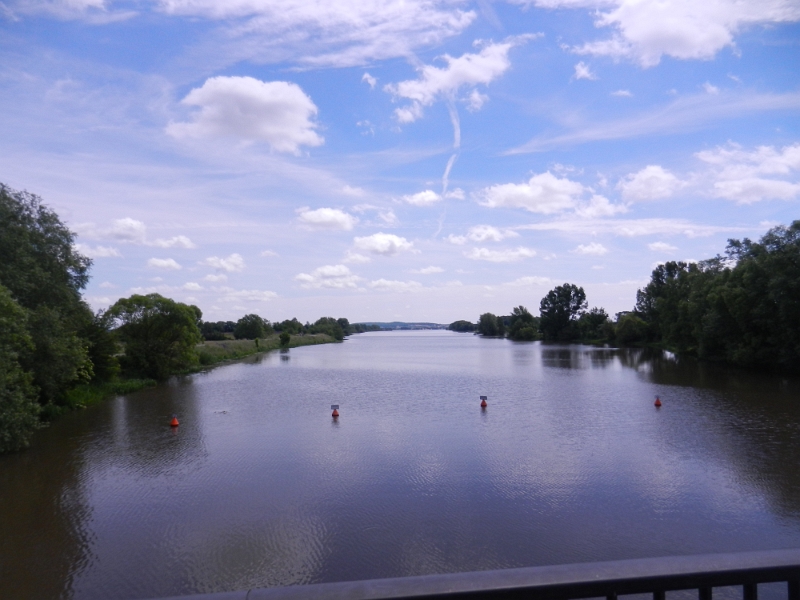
(168, 264)
(231, 295)
(646, 30)
(107, 285)
(600, 206)
(509, 255)
(216, 278)
(622, 94)
(531, 280)
(371, 81)
(329, 33)
(425, 198)
(326, 218)
(349, 190)
(662, 247)
(651, 183)
(710, 89)
(456, 194)
(544, 193)
(428, 270)
(593, 249)
(482, 233)
(356, 258)
(179, 241)
(395, 286)
(633, 227)
(192, 286)
(582, 71)
(385, 244)
(468, 70)
(476, 100)
(97, 251)
(276, 112)
(329, 276)
(268, 253)
(232, 264)
(127, 230)
(747, 177)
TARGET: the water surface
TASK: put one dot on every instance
(259, 486)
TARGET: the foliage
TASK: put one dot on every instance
(159, 334)
(19, 410)
(362, 328)
(524, 326)
(251, 327)
(592, 324)
(491, 325)
(328, 326)
(293, 327)
(559, 310)
(285, 338)
(45, 276)
(461, 326)
(742, 308)
(630, 329)
(220, 330)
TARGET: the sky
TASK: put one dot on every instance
(414, 160)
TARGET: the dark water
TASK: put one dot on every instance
(260, 487)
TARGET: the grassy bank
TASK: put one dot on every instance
(211, 353)
(88, 394)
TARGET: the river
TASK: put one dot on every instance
(259, 486)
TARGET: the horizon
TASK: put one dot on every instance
(425, 161)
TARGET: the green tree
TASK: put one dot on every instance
(630, 329)
(251, 327)
(461, 326)
(285, 338)
(559, 311)
(328, 326)
(489, 324)
(19, 410)
(524, 326)
(591, 324)
(45, 275)
(158, 333)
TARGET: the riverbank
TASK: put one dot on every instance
(212, 353)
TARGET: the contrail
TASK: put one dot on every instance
(451, 107)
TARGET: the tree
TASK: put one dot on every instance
(159, 334)
(251, 327)
(488, 325)
(524, 326)
(559, 310)
(328, 326)
(284, 338)
(591, 324)
(45, 275)
(461, 326)
(19, 410)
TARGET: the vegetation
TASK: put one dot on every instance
(214, 352)
(251, 327)
(461, 326)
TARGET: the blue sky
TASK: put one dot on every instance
(423, 160)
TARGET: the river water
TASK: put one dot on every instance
(259, 486)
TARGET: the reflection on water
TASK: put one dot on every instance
(259, 486)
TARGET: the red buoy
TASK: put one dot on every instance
(174, 422)
(658, 402)
(483, 402)
(335, 413)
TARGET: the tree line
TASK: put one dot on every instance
(741, 307)
(52, 344)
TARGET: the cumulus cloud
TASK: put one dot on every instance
(132, 231)
(498, 256)
(385, 244)
(765, 173)
(356, 258)
(232, 264)
(593, 249)
(192, 286)
(482, 233)
(97, 251)
(468, 70)
(622, 94)
(395, 286)
(326, 218)
(645, 30)
(276, 112)
(651, 183)
(371, 81)
(582, 71)
(179, 241)
(544, 193)
(428, 270)
(599, 206)
(425, 198)
(329, 276)
(216, 278)
(662, 247)
(168, 264)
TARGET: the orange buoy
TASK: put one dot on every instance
(335, 413)
(657, 402)
(483, 402)
(174, 422)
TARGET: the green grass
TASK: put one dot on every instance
(214, 352)
(88, 394)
